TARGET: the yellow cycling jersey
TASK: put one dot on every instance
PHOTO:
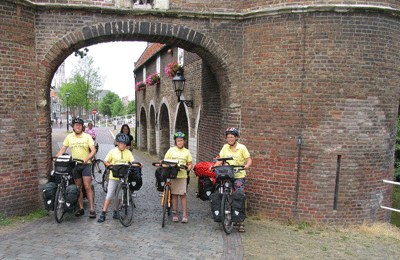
(182, 155)
(79, 145)
(239, 157)
(115, 156)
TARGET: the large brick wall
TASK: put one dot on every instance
(343, 103)
(19, 122)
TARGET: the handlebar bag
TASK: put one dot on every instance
(238, 206)
(119, 170)
(168, 171)
(49, 194)
(224, 172)
(63, 164)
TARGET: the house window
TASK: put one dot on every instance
(144, 74)
(158, 64)
(180, 56)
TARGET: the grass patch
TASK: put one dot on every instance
(39, 213)
(395, 219)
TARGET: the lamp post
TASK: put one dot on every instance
(179, 87)
(67, 95)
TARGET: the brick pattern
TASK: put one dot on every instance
(19, 162)
(348, 95)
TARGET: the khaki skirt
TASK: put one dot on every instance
(178, 186)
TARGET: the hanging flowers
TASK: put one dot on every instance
(171, 69)
(140, 86)
(153, 79)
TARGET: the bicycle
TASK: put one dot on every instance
(98, 167)
(169, 170)
(225, 174)
(64, 170)
(123, 194)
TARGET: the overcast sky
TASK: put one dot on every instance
(115, 60)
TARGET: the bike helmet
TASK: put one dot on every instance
(122, 138)
(77, 120)
(232, 130)
(179, 135)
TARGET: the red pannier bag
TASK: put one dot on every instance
(202, 169)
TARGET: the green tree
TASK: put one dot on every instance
(107, 104)
(83, 86)
(117, 108)
(131, 107)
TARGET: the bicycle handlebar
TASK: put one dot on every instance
(224, 159)
(73, 159)
(158, 164)
(135, 164)
(233, 166)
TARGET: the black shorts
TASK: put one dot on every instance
(82, 171)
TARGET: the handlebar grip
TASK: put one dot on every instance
(135, 163)
(155, 164)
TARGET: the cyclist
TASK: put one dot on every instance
(79, 142)
(240, 155)
(90, 131)
(126, 130)
(118, 155)
(179, 185)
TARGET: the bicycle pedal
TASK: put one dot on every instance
(134, 195)
(134, 206)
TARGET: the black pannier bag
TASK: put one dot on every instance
(49, 194)
(71, 197)
(63, 164)
(238, 206)
(169, 171)
(135, 178)
(215, 200)
(205, 186)
(159, 180)
(119, 170)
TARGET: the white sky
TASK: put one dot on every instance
(115, 60)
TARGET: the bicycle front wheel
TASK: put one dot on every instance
(165, 204)
(59, 204)
(226, 210)
(104, 182)
(98, 169)
(125, 204)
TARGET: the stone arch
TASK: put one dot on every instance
(182, 122)
(143, 130)
(152, 130)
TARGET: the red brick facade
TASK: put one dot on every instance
(277, 70)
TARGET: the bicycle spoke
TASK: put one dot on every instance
(125, 204)
(226, 209)
(98, 169)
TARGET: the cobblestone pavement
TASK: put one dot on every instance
(84, 238)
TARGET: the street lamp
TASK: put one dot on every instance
(179, 87)
(67, 95)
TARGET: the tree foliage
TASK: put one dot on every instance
(131, 107)
(84, 85)
(117, 108)
(107, 104)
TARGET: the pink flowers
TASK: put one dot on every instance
(153, 79)
(171, 69)
(140, 86)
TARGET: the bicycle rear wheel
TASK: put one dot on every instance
(104, 182)
(98, 169)
(59, 203)
(125, 204)
(226, 210)
(165, 204)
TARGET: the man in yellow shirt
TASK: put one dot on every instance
(79, 142)
(240, 155)
(179, 185)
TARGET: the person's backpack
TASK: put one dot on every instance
(49, 194)
(71, 197)
(215, 200)
(159, 180)
(205, 187)
(135, 178)
(238, 206)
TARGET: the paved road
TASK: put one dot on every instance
(84, 238)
